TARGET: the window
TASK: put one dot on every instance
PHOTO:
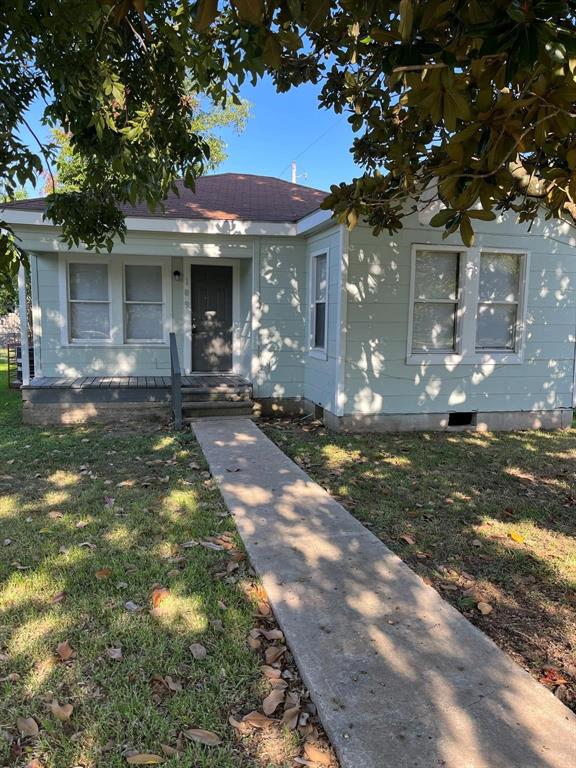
(319, 292)
(467, 304)
(498, 297)
(88, 302)
(436, 301)
(143, 303)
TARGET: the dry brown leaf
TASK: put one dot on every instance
(198, 651)
(58, 598)
(484, 608)
(65, 650)
(258, 720)
(144, 758)
(159, 595)
(263, 608)
(272, 634)
(408, 539)
(274, 653)
(209, 738)
(35, 763)
(27, 726)
(272, 701)
(174, 685)
(62, 712)
(314, 753)
(114, 653)
(103, 573)
(290, 717)
(169, 751)
(271, 672)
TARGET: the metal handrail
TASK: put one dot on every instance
(176, 378)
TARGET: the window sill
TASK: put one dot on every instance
(484, 358)
(318, 354)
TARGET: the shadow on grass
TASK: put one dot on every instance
(91, 516)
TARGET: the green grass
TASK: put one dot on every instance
(78, 500)
(489, 518)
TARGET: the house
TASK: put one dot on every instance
(271, 302)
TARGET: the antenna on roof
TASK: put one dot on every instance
(295, 174)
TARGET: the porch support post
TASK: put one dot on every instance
(25, 351)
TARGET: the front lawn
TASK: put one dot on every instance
(125, 606)
(489, 520)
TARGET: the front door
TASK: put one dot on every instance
(211, 318)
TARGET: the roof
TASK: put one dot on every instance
(224, 196)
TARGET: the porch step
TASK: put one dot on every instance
(211, 395)
(207, 408)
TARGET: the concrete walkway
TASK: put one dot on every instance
(400, 678)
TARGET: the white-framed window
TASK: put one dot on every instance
(319, 303)
(498, 307)
(436, 302)
(143, 303)
(88, 292)
(466, 305)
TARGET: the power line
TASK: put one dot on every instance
(312, 143)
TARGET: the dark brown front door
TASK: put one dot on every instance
(211, 318)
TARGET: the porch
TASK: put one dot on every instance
(47, 399)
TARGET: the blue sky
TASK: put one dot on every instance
(283, 127)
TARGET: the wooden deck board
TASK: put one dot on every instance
(140, 382)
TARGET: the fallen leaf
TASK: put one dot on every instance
(103, 573)
(169, 751)
(552, 677)
(144, 759)
(65, 650)
(484, 608)
(27, 726)
(58, 598)
(131, 606)
(114, 653)
(312, 752)
(272, 701)
(62, 712)
(272, 634)
(159, 595)
(517, 537)
(274, 653)
(263, 608)
(258, 720)
(34, 764)
(408, 539)
(198, 651)
(290, 717)
(476, 543)
(209, 738)
(271, 672)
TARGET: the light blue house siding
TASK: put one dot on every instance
(366, 376)
(378, 378)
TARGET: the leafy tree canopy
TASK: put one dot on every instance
(471, 101)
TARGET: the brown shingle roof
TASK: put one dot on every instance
(237, 196)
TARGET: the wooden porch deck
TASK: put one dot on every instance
(197, 381)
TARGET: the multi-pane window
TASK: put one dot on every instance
(436, 301)
(88, 302)
(467, 303)
(143, 303)
(319, 298)
(498, 301)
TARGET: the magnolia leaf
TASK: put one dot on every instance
(274, 653)
(144, 758)
(272, 701)
(208, 738)
(466, 231)
(406, 19)
(103, 573)
(198, 651)
(62, 712)
(114, 653)
(206, 12)
(258, 720)
(27, 726)
(65, 650)
(317, 755)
